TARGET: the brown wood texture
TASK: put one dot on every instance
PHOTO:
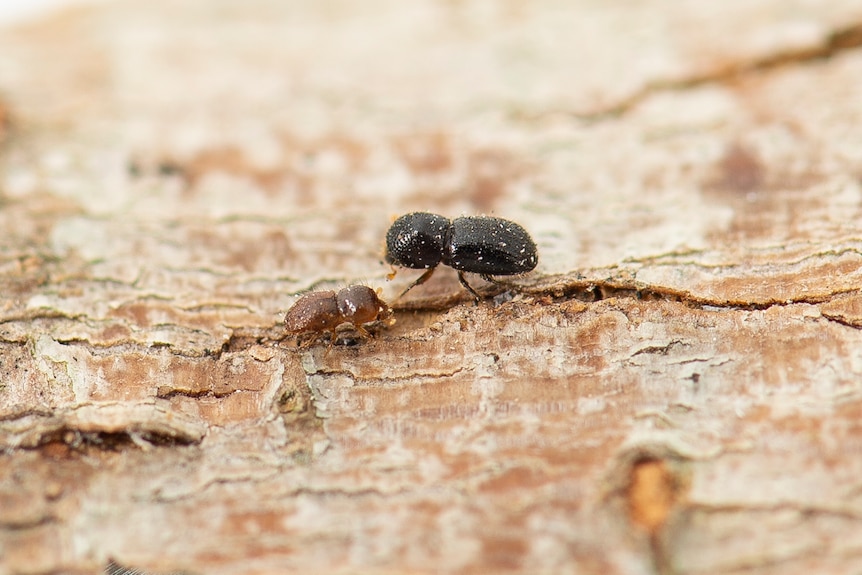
(677, 388)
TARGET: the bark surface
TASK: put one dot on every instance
(676, 389)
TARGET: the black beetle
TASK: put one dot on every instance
(478, 244)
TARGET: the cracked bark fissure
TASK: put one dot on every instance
(675, 389)
(835, 42)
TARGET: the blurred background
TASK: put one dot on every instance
(12, 11)
(173, 173)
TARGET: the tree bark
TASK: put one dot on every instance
(676, 389)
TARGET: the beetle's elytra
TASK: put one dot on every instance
(478, 244)
(323, 311)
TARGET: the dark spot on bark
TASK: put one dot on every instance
(739, 170)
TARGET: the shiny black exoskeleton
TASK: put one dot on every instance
(479, 244)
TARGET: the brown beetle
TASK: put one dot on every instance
(323, 311)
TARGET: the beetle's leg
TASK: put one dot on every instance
(419, 281)
(500, 283)
(470, 289)
(363, 332)
(332, 341)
